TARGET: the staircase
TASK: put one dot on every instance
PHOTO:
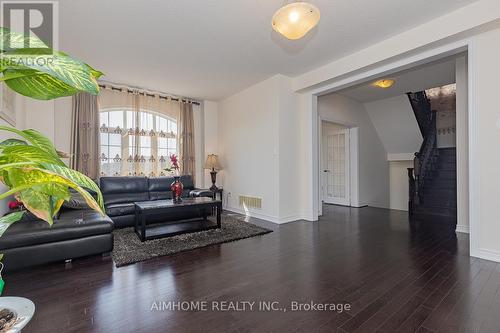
(432, 180)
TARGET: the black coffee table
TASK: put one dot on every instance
(167, 228)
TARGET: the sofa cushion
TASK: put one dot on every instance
(159, 188)
(187, 181)
(76, 201)
(120, 209)
(124, 189)
(71, 224)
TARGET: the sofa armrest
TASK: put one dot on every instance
(197, 193)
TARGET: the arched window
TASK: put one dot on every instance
(136, 143)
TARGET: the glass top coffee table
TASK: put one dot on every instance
(167, 228)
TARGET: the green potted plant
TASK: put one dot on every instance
(30, 166)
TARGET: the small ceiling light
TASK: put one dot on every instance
(296, 19)
(385, 83)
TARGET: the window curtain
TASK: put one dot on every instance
(186, 140)
(140, 129)
(85, 135)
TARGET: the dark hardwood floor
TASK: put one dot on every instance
(397, 277)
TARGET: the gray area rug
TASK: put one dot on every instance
(128, 249)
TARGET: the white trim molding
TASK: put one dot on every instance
(488, 255)
(464, 229)
(269, 218)
(474, 166)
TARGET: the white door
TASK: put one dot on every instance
(336, 168)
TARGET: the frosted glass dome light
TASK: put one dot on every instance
(296, 19)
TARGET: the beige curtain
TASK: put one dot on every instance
(138, 130)
(85, 135)
(186, 140)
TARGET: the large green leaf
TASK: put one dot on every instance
(28, 177)
(35, 176)
(36, 138)
(21, 153)
(40, 191)
(6, 166)
(10, 38)
(77, 178)
(12, 142)
(38, 203)
(41, 86)
(7, 220)
(64, 180)
(34, 70)
(66, 69)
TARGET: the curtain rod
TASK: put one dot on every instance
(133, 90)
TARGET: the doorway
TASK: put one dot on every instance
(335, 164)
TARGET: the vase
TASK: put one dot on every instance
(177, 188)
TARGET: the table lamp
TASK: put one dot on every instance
(212, 164)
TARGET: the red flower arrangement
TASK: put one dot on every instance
(176, 186)
(175, 161)
(174, 165)
(16, 204)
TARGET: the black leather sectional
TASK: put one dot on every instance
(74, 234)
(83, 232)
(120, 193)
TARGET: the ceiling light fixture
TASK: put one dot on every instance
(385, 83)
(296, 19)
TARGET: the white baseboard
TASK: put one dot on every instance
(273, 219)
(487, 255)
(463, 229)
(375, 204)
(405, 209)
(357, 205)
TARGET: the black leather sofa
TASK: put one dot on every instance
(83, 232)
(74, 234)
(120, 193)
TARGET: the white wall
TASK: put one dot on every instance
(398, 173)
(373, 186)
(289, 153)
(485, 231)
(40, 115)
(52, 118)
(199, 147)
(211, 139)
(248, 146)
(395, 124)
(260, 148)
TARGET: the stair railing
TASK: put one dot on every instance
(424, 164)
(412, 191)
(422, 109)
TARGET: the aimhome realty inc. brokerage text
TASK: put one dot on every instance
(238, 306)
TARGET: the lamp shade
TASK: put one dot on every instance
(212, 162)
(296, 19)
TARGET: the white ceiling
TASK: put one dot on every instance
(418, 79)
(210, 49)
